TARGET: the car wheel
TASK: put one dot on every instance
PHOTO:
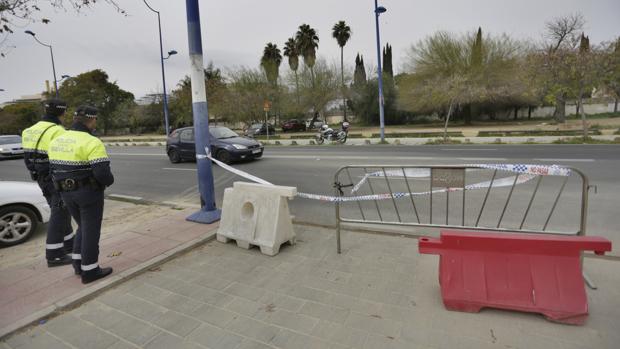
(17, 224)
(174, 156)
(223, 156)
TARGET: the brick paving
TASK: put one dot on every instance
(30, 287)
(380, 293)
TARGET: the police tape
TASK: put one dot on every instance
(502, 182)
(538, 170)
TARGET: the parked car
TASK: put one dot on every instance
(11, 147)
(260, 129)
(22, 209)
(226, 145)
(293, 125)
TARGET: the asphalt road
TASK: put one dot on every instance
(145, 172)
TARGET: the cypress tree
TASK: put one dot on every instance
(387, 60)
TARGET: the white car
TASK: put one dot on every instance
(22, 208)
(11, 146)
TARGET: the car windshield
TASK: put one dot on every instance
(256, 126)
(222, 132)
(10, 140)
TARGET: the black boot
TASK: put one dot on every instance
(95, 274)
(77, 266)
(57, 262)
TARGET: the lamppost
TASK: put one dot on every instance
(163, 74)
(208, 212)
(379, 10)
(171, 53)
(29, 32)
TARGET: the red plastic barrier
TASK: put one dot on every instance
(516, 271)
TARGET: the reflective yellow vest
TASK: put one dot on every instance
(76, 150)
(31, 136)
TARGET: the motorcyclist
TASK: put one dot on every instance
(327, 131)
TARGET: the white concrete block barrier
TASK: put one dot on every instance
(257, 214)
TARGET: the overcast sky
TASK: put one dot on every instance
(235, 32)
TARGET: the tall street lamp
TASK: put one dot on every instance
(171, 53)
(29, 32)
(163, 74)
(379, 10)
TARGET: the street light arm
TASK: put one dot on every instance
(149, 6)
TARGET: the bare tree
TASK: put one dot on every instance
(562, 40)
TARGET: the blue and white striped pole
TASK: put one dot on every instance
(208, 212)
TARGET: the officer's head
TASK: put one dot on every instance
(55, 107)
(87, 116)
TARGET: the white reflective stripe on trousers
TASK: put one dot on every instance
(54, 246)
(90, 267)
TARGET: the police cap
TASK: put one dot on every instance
(86, 111)
(55, 107)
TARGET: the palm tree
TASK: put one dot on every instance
(308, 41)
(291, 50)
(342, 33)
(270, 62)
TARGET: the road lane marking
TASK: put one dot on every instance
(468, 149)
(179, 169)
(483, 159)
(126, 197)
(567, 160)
(348, 157)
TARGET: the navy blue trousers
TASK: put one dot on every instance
(86, 207)
(60, 236)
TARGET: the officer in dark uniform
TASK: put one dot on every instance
(81, 171)
(35, 141)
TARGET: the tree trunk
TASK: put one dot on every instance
(529, 112)
(560, 109)
(312, 77)
(297, 88)
(468, 115)
(445, 127)
(578, 107)
(583, 114)
(344, 100)
(516, 113)
(616, 105)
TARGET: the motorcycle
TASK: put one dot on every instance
(327, 133)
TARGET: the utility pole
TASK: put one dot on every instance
(208, 212)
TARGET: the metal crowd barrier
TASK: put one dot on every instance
(506, 198)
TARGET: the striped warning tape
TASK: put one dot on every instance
(526, 173)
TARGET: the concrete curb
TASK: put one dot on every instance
(107, 283)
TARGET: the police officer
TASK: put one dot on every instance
(81, 171)
(36, 141)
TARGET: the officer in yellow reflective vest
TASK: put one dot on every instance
(81, 171)
(36, 141)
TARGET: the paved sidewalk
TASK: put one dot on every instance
(29, 290)
(380, 293)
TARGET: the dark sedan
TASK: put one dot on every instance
(226, 145)
(293, 125)
(260, 130)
